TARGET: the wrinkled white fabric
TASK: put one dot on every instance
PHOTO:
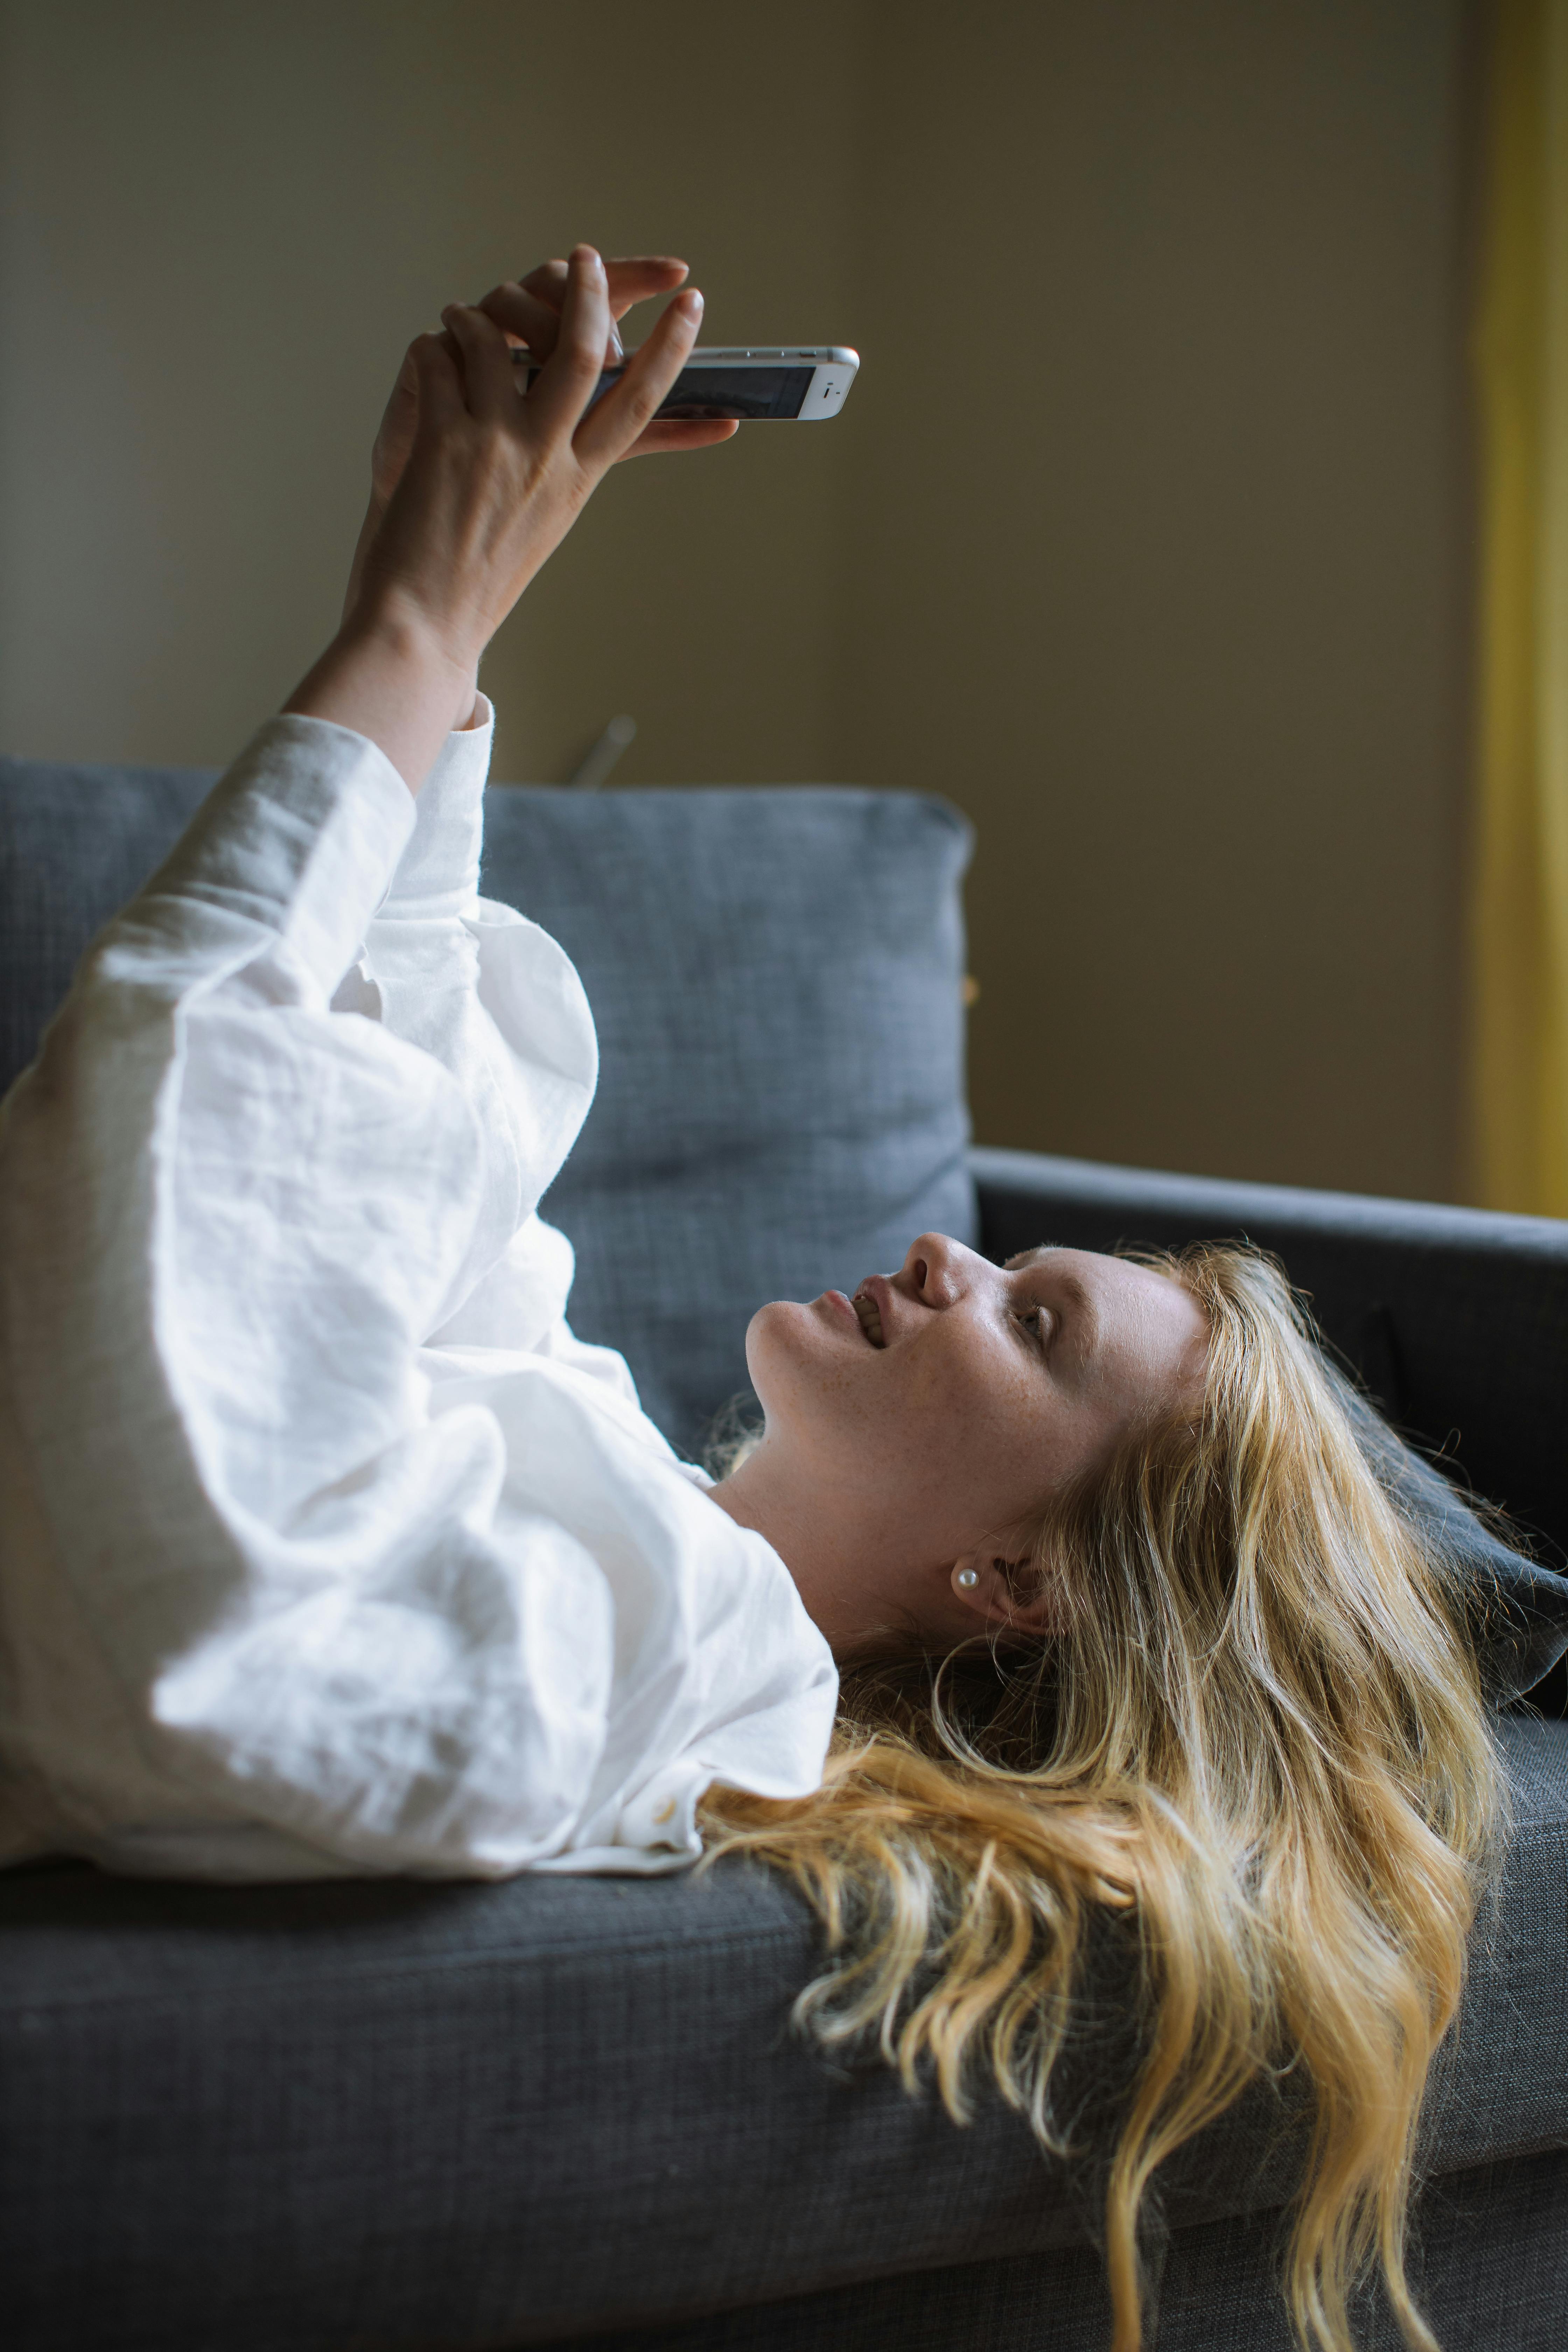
(326, 1547)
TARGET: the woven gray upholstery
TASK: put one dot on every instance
(1489, 2255)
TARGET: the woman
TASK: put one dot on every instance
(331, 1548)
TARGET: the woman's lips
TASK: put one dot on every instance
(860, 1313)
(866, 1312)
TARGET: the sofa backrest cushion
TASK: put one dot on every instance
(1516, 1607)
(776, 975)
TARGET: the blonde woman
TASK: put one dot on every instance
(330, 1548)
(1225, 1702)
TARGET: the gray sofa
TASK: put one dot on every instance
(397, 2116)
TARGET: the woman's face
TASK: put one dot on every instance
(930, 1418)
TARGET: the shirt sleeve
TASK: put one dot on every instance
(494, 1000)
(229, 1216)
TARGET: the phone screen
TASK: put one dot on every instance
(737, 392)
(742, 391)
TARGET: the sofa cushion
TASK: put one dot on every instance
(394, 2114)
(1517, 1608)
(776, 975)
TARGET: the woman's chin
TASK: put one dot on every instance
(789, 1335)
(783, 1323)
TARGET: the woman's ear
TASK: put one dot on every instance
(999, 1592)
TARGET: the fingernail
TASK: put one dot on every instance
(616, 350)
(690, 303)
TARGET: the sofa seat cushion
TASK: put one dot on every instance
(392, 2115)
(775, 976)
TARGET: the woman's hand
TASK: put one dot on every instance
(485, 483)
(528, 311)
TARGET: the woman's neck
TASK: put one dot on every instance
(854, 1596)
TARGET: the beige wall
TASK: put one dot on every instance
(1142, 536)
(224, 224)
(1179, 616)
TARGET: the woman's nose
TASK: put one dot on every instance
(933, 1268)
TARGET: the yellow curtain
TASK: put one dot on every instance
(1520, 1091)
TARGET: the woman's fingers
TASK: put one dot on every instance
(631, 276)
(566, 382)
(520, 313)
(489, 378)
(637, 276)
(548, 282)
(531, 307)
(480, 505)
(439, 383)
(609, 431)
(536, 324)
(666, 434)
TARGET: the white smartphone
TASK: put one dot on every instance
(794, 385)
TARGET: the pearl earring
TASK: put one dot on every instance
(967, 1579)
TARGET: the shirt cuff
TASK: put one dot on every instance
(438, 873)
(296, 839)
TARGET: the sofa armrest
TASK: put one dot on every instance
(1455, 1318)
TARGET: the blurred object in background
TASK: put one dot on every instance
(1519, 1030)
(593, 770)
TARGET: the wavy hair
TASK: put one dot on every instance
(1256, 1737)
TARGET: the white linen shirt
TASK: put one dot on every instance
(326, 1547)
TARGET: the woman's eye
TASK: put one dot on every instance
(1033, 1321)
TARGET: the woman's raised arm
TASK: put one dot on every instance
(492, 482)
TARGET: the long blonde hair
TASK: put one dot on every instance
(1257, 1736)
